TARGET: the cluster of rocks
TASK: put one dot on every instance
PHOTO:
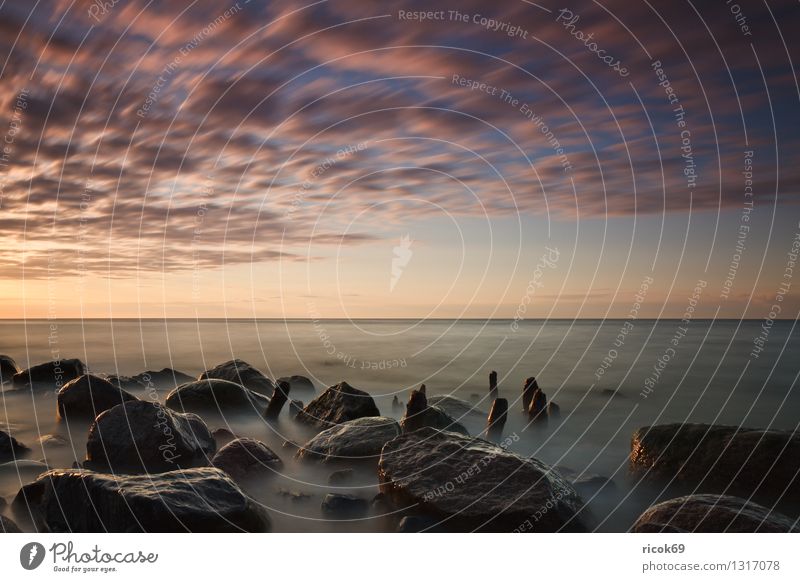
(152, 467)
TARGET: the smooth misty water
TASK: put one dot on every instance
(710, 378)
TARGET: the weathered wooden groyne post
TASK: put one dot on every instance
(279, 397)
(497, 419)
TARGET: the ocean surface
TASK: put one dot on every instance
(608, 377)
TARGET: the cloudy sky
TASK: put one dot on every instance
(345, 158)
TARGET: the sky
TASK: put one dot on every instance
(410, 159)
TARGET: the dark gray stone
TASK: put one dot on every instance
(216, 396)
(241, 372)
(338, 404)
(359, 439)
(342, 506)
(194, 500)
(712, 514)
(245, 458)
(8, 369)
(88, 396)
(141, 436)
(476, 485)
(10, 448)
(50, 375)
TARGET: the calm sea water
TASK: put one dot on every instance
(654, 373)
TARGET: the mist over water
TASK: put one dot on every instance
(709, 376)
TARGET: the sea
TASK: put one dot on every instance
(608, 377)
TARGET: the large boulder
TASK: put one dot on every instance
(300, 385)
(712, 514)
(194, 500)
(50, 375)
(88, 396)
(8, 369)
(244, 458)
(338, 404)
(21, 471)
(164, 379)
(241, 372)
(10, 448)
(706, 458)
(212, 395)
(471, 484)
(141, 436)
(362, 438)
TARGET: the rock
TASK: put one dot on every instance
(343, 506)
(360, 439)
(3, 503)
(219, 396)
(457, 408)
(21, 471)
(381, 505)
(50, 375)
(244, 458)
(611, 393)
(418, 524)
(300, 385)
(165, 379)
(553, 410)
(222, 436)
(705, 458)
(10, 448)
(419, 414)
(88, 396)
(712, 514)
(341, 477)
(294, 495)
(8, 369)
(279, 397)
(240, 372)
(196, 500)
(141, 436)
(290, 445)
(338, 404)
(476, 485)
(7, 525)
(52, 441)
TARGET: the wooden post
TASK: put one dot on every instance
(497, 419)
(493, 384)
(279, 397)
(416, 407)
(528, 389)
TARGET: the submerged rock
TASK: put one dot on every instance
(341, 477)
(361, 439)
(164, 379)
(343, 506)
(220, 396)
(338, 404)
(141, 436)
(10, 448)
(222, 436)
(476, 485)
(719, 459)
(241, 372)
(50, 375)
(88, 396)
(8, 369)
(22, 470)
(712, 514)
(244, 458)
(195, 500)
(457, 408)
(418, 524)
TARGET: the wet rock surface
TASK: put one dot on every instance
(141, 436)
(719, 459)
(220, 396)
(196, 500)
(359, 439)
(341, 506)
(49, 375)
(8, 369)
(339, 403)
(7, 525)
(476, 485)
(246, 458)
(240, 372)
(88, 396)
(712, 514)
